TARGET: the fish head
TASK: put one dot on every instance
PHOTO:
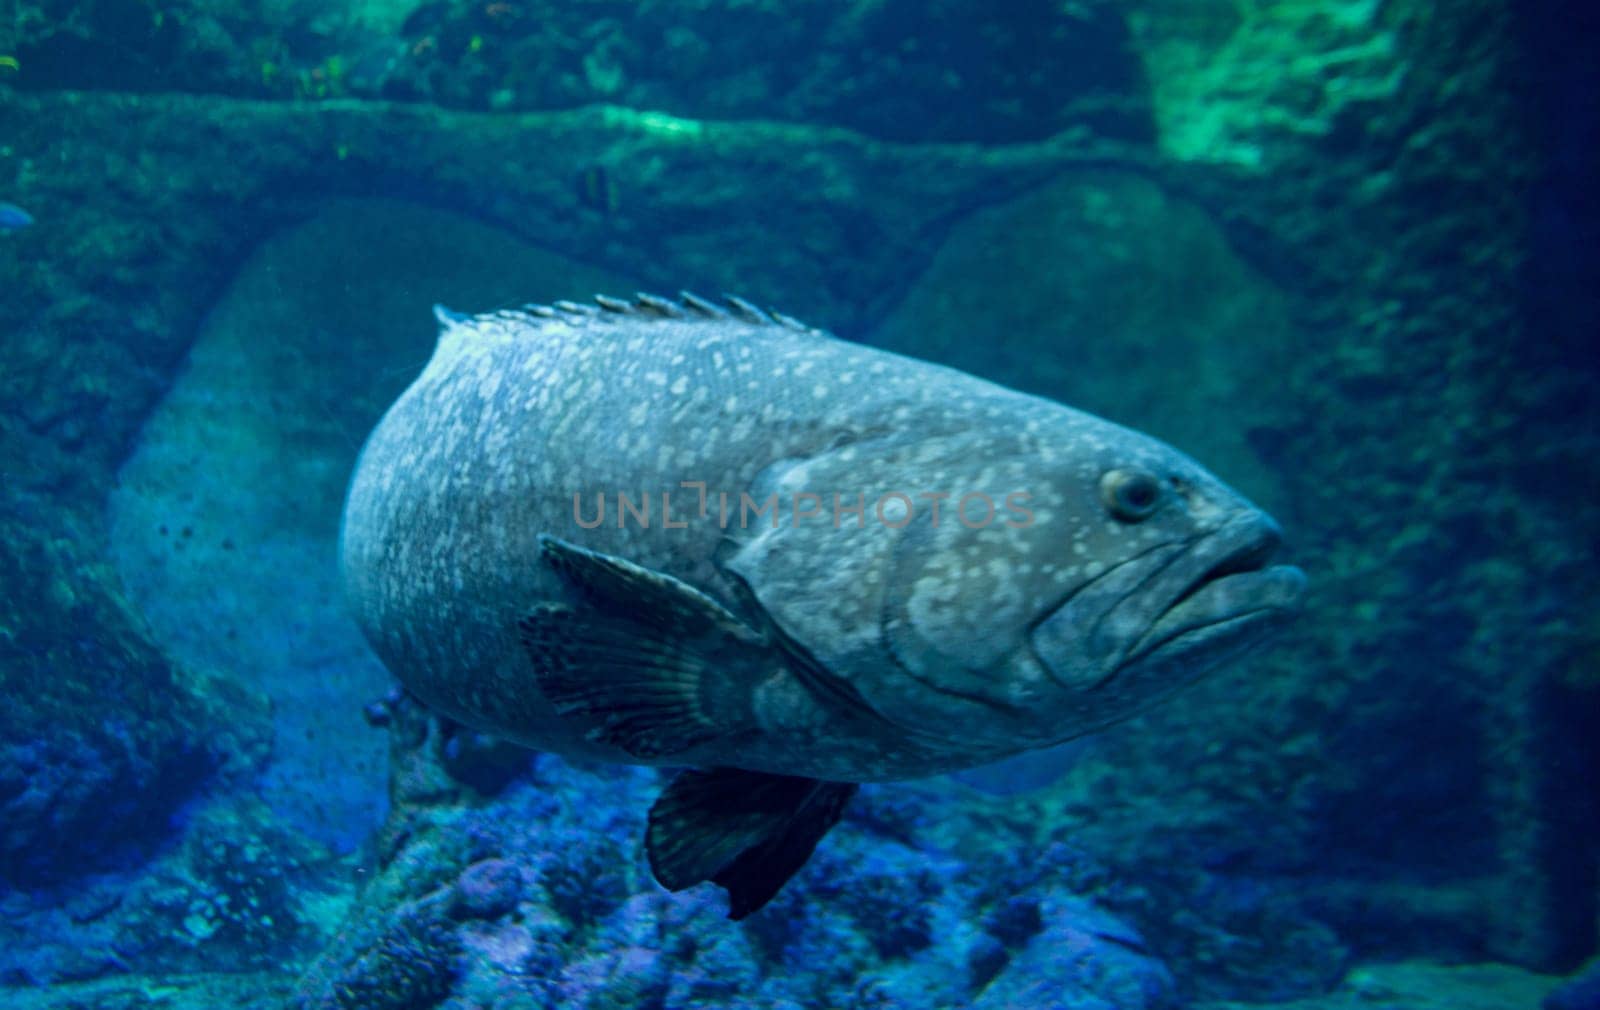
(1121, 571)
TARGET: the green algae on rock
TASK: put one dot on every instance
(1232, 80)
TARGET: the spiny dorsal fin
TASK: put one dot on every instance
(606, 309)
(686, 306)
(655, 305)
(575, 310)
(700, 307)
(449, 317)
(746, 312)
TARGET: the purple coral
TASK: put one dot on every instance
(488, 889)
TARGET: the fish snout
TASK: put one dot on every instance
(1226, 587)
(1218, 588)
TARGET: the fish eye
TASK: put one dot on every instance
(1131, 495)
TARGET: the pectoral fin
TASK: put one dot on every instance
(673, 608)
(748, 832)
(659, 666)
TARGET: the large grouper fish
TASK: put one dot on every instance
(706, 536)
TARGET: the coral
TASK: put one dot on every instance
(553, 908)
(1080, 957)
(410, 966)
(238, 889)
(488, 889)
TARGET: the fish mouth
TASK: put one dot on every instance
(1225, 593)
(1173, 611)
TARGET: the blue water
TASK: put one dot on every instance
(1344, 255)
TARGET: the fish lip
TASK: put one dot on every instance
(1164, 599)
(1259, 544)
(1278, 588)
(1238, 590)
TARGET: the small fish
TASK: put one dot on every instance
(13, 218)
(843, 631)
(597, 190)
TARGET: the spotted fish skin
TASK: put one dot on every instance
(870, 649)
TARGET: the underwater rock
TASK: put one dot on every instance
(550, 905)
(187, 991)
(238, 889)
(93, 765)
(411, 963)
(1581, 992)
(1080, 957)
(242, 889)
(1104, 291)
(488, 889)
(947, 70)
(1418, 985)
(229, 503)
(1215, 66)
(131, 300)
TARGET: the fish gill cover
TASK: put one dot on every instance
(1331, 250)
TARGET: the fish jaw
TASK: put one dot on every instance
(1222, 578)
(1159, 621)
(1245, 604)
